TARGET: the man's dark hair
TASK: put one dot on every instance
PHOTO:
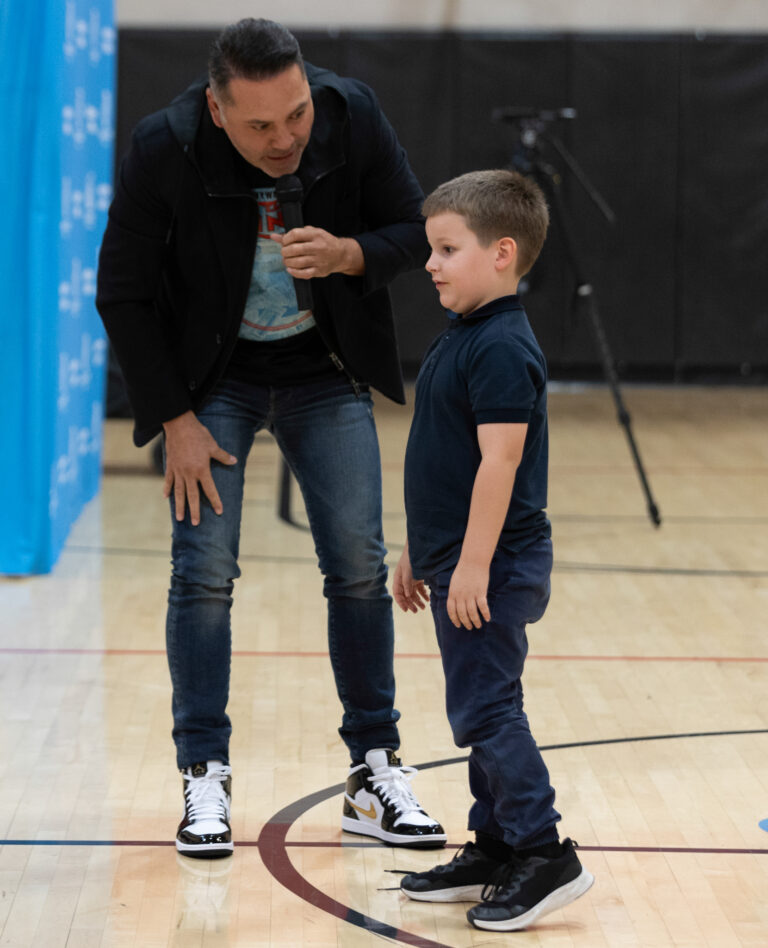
(251, 49)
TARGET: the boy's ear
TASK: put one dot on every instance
(506, 253)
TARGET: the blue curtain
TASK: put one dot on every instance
(57, 67)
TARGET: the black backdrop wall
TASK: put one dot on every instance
(671, 129)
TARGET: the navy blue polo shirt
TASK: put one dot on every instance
(485, 368)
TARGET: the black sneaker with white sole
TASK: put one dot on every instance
(460, 880)
(525, 889)
(204, 833)
(379, 802)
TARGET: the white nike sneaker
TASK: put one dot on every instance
(204, 833)
(379, 802)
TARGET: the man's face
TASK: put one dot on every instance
(269, 121)
(463, 271)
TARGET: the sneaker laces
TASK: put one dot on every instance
(464, 854)
(206, 797)
(502, 878)
(394, 784)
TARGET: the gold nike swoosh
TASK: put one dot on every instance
(370, 812)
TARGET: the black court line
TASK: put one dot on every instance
(698, 519)
(273, 846)
(641, 519)
(658, 570)
(165, 554)
(559, 566)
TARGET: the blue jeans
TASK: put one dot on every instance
(484, 699)
(328, 438)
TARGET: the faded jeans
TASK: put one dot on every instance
(328, 438)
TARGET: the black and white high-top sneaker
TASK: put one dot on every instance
(204, 833)
(379, 802)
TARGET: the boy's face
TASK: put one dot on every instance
(465, 273)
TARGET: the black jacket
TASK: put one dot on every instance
(176, 258)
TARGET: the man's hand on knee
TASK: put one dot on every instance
(189, 450)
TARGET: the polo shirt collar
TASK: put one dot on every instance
(500, 305)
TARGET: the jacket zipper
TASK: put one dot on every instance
(333, 356)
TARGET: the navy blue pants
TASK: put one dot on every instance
(508, 778)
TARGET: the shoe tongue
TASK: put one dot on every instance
(201, 769)
(379, 760)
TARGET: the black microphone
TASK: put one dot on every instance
(289, 194)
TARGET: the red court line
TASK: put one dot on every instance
(691, 850)
(400, 655)
(647, 658)
(273, 851)
(337, 844)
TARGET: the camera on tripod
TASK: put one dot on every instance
(535, 130)
(531, 121)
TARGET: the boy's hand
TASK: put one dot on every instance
(467, 596)
(411, 595)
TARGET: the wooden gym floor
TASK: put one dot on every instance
(647, 687)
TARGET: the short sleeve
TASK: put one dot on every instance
(504, 376)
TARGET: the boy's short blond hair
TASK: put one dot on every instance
(497, 203)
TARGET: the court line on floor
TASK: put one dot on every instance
(336, 844)
(107, 652)
(713, 520)
(559, 565)
(658, 570)
(273, 845)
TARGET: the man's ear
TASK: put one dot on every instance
(506, 253)
(213, 108)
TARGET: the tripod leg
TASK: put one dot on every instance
(284, 493)
(285, 480)
(585, 294)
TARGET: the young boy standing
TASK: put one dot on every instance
(478, 537)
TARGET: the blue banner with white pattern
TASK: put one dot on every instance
(57, 68)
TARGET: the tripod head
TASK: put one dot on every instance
(531, 122)
(534, 127)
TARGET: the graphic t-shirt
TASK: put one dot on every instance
(271, 311)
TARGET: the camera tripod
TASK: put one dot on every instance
(534, 126)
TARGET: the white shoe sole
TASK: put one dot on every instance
(555, 900)
(205, 850)
(459, 893)
(360, 828)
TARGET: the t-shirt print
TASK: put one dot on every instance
(271, 311)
